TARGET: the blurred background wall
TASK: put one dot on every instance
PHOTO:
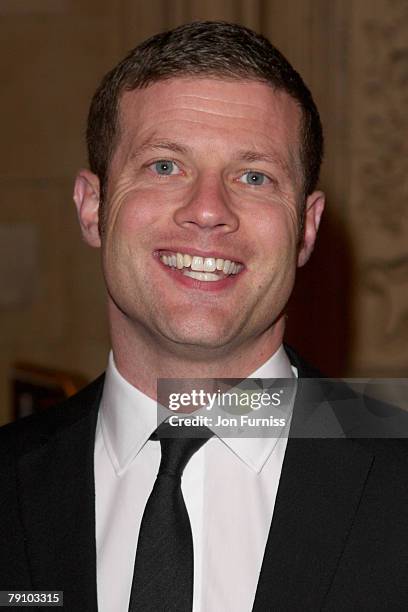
(350, 310)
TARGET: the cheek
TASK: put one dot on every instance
(133, 215)
(277, 237)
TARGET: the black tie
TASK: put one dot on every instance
(163, 574)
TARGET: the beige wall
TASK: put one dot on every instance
(354, 56)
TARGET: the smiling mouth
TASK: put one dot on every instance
(206, 269)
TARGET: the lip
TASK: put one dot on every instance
(196, 253)
(191, 283)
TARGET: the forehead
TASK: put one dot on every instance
(227, 113)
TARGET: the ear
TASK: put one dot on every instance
(314, 209)
(86, 198)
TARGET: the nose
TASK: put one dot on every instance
(208, 207)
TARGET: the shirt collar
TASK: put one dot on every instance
(256, 451)
(128, 417)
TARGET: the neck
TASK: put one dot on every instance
(142, 358)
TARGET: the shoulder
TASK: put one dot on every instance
(27, 433)
(375, 426)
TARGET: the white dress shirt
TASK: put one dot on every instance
(229, 487)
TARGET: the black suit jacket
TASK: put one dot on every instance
(338, 539)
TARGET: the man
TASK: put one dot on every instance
(204, 148)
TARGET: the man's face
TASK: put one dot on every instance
(205, 172)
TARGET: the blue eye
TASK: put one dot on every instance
(254, 178)
(165, 167)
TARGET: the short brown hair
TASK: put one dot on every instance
(202, 48)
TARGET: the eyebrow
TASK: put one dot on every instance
(168, 145)
(251, 156)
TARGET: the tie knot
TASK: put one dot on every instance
(178, 445)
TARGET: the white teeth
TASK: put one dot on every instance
(202, 276)
(209, 264)
(206, 265)
(226, 267)
(180, 261)
(197, 264)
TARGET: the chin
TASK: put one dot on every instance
(199, 336)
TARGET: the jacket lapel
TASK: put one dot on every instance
(57, 495)
(319, 491)
(320, 488)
